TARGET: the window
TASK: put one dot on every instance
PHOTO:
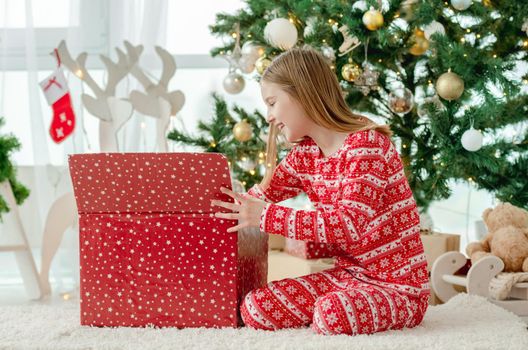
(84, 21)
(188, 25)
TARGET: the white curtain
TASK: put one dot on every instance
(128, 20)
(145, 25)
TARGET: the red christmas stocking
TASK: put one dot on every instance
(56, 91)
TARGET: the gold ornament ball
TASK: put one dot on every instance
(261, 64)
(421, 44)
(350, 71)
(373, 19)
(449, 86)
(242, 131)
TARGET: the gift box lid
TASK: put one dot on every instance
(149, 182)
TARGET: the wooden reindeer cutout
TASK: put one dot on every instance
(111, 111)
(62, 215)
(158, 102)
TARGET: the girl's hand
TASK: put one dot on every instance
(246, 210)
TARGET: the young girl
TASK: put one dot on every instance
(352, 173)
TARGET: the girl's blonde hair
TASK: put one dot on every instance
(305, 75)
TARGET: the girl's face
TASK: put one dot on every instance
(285, 112)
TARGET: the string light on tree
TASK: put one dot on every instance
(373, 19)
(281, 33)
(461, 5)
(242, 131)
(450, 86)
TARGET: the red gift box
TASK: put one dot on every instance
(311, 250)
(151, 251)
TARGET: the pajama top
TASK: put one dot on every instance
(363, 204)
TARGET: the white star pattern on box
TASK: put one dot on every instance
(144, 259)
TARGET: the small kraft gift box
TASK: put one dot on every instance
(282, 265)
(152, 253)
(436, 244)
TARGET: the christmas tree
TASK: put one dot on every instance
(239, 136)
(443, 75)
(8, 144)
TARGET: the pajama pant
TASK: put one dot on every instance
(332, 302)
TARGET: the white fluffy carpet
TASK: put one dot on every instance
(465, 322)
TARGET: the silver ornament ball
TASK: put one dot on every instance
(234, 83)
(401, 101)
(252, 51)
(246, 64)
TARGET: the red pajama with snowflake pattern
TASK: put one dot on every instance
(363, 205)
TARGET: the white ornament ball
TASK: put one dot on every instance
(472, 140)
(281, 33)
(234, 83)
(433, 28)
(461, 5)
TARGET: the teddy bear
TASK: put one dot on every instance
(507, 237)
